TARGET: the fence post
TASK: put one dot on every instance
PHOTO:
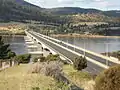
(10, 63)
(0, 63)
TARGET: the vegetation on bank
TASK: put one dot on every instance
(5, 52)
(12, 29)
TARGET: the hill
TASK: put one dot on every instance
(19, 10)
(71, 10)
(76, 10)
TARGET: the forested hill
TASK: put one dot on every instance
(76, 10)
(19, 10)
(72, 10)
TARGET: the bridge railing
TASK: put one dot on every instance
(84, 50)
(78, 54)
(53, 50)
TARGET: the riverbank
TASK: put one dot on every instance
(84, 36)
(12, 29)
(16, 35)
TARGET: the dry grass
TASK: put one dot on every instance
(17, 78)
(52, 69)
(81, 79)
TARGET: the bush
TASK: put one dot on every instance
(25, 58)
(53, 57)
(35, 59)
(5, 52)
(11, 54)
(52, 68)
(48, 58)
(109, 79)
(42, 59)
(80, 63)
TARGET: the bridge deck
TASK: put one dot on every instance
(93, 68)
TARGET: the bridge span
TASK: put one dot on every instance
(96, 62)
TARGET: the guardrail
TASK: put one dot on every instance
(89, 59)
(84, 50)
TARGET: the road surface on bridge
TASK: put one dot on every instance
(92, 68)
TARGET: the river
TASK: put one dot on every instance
(17, 44)
(98, 45)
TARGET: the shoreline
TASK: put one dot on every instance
(84, 36)
(12, 35)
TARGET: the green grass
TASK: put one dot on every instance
(81, 79)
(18, 78)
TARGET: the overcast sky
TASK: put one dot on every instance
(98, 4)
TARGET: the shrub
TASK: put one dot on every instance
(52, 68)
(25, 58)
(109, 79)
(11, 54)
(5, 52)
(42, 59)
(35, 59)
(80, 63)
(35, 88)
(53, 57)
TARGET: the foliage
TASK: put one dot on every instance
(35, 59)
(41, 59)
(80, 63)
(5, 52)
(109, 79)
(35, 88)
(25, 58)
(20, 10)
(48, 58)
(63, 86)
(11, 54)
(53, 57)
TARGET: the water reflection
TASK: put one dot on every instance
(17, 44)
(98, 45)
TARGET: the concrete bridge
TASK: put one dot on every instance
(96, 62)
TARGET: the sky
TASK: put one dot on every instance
(97, 4)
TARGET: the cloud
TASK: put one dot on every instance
(98, 4)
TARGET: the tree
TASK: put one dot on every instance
(25, 58)
(11, 54)
(4, 49)
(109, 79)
(80, 63)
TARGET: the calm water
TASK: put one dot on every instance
(17, 44)
(98, 45)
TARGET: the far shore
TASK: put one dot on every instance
(84, 36)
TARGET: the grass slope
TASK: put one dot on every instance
(17, 78)
(81, 79)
